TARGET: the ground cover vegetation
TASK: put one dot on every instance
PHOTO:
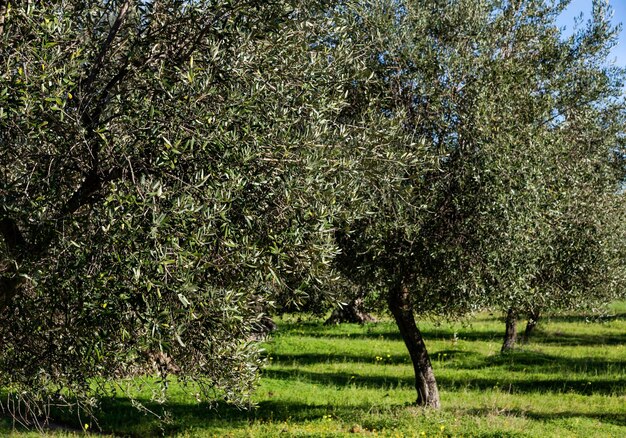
(171, 171)
(355, 380)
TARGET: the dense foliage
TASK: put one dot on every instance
(161, 183)
(170, 169)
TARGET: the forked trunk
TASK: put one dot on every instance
(510, 334)
(425, 383)
(533, 320)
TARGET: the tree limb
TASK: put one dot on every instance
(99, 61)
(4, 4)
(90, 185)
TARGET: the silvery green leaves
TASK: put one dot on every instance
(162, 183)
(469, 195)
(170, 170)
(509, 195)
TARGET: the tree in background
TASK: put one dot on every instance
(570, 255)
(463, 211)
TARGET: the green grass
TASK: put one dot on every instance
(352, 380)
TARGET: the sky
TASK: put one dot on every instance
(577, 7)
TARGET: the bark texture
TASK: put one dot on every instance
(510, 333)
(425, 383)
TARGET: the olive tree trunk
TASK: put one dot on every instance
(353, 312)
(16, 247)
(510, 333)
(425, 383)
(533, 320)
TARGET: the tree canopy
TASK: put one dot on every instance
(511, 195)
(170, 169)
(160, 184)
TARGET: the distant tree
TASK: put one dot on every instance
(575, 261)
(353, 308)
(491, 164)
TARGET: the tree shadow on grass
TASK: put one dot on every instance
(123, 420)
(432, 334)
(537, 362)
(464, 333)
(558, 374)
(574, 340)
(341, 379)
(517, 361)
(378, 358)
(559, 385)
(590, 318)
(617, 419)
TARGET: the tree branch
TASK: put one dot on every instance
(90, 185)
(99, 61)
(4, 4)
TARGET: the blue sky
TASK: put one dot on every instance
(619, 16)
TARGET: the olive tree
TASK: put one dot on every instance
(569, 254)
(161, 181)
(462, 210)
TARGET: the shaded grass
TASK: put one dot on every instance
(357, 380)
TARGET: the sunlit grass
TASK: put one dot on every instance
(349, 379)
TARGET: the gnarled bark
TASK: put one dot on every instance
(510, 333)
(425, 383)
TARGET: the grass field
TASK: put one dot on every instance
(352, 380)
